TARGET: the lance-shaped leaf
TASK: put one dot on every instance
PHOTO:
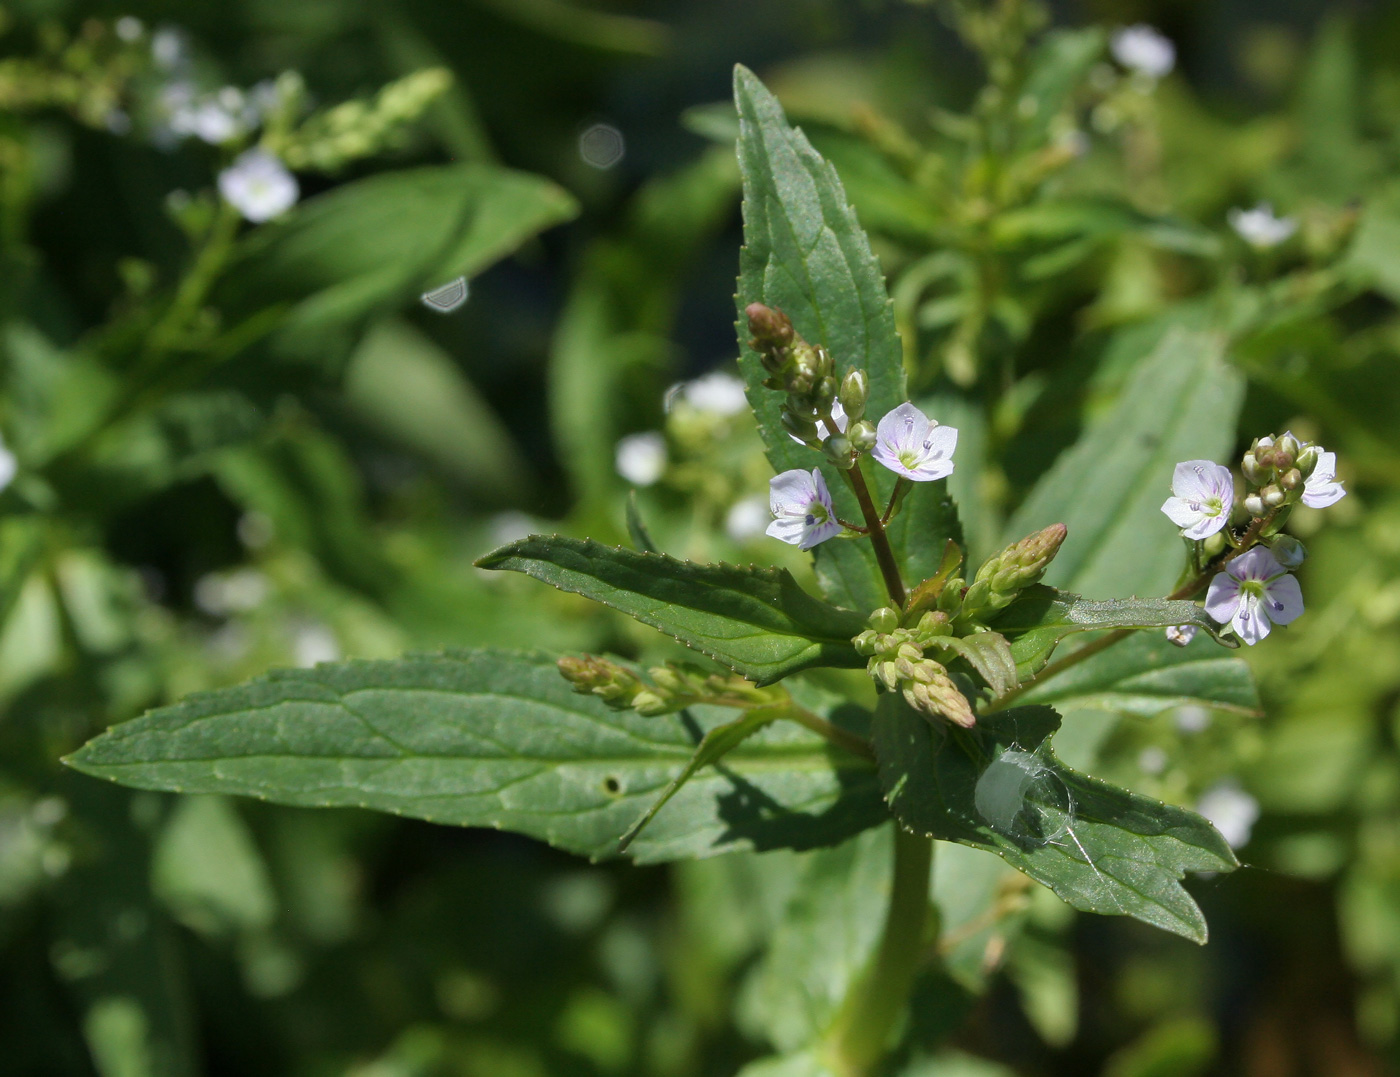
(1109, 486)
(989, 654)
(999, 787)
(757, 621)
(1042, 616)
(492, 739)
(805, 253)
(1146, 674)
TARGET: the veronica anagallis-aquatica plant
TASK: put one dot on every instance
(937, 722)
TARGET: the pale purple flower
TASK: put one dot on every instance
(1322, 488)
(1252, 593)
(911, 444)
(1143, 49)
(259, 186)
(1181, 635)
(801, 506)
(1203, 494)
(1259, 227)
(838, 416)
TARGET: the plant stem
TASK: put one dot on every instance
(883, 553)
(842, 738)
(860, 1036)
(1186, 590)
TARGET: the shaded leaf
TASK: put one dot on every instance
(483, 738)
(1100, 848)
(757, 621)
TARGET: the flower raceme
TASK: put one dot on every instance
(1253, 593)
(1203, 493)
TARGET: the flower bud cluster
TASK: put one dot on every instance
(1280, 472)
(898, 664)
(673, 686)
(1004, 575)
(820, 411)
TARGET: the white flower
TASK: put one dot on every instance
(641, 458)
(1204, 493)
(129, 28)
(1192, 718)
(208, 120)
(1181, 635)
(314, 643)
(1231, 810)
(1322, 488)
(838, 416)
(1259, 227)
(911, 444)
(1143, 49)
(746, 519)
(1152, 760)
(259, 186)
(717, 393)
(1253, 591)
(801, 506)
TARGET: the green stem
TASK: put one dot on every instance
(872, 1011)
(842, 738)
(889, 569)
(1186, 590)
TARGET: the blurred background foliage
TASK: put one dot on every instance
(244, 447)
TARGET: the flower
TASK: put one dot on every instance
(1143, 49)
(1230, 810)
(838, 416)
(1321, 488)
(1203, 495)
(911, 444)
(641, 458)
(1181, 635)
(801, 506)
(1259, 227)
(8, 466)
(717, 393)
(259, 186)
(1253, 591)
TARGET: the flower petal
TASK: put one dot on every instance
(791, 492)
(1258, 564)
(1223, 598)
(1180, 512)
(1250, 622)
(1192, 479)
(1284, 600)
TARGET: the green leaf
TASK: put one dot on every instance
(483, 738)
(805, 253)
(999, 787)
(1108, 488)
(989, 654)
(757, 621)
(378, 242)
(637, 527)
(1042, 616)
(715, 745)
(1146, 674)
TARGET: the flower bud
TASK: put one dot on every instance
(838, 451)
(1002, 576)
(884, 620)
(1288, 551)
(1181, 635)
(1254, 505)
(826, 368)
(933, 694)
(865, 643)
(932, 624)
(884, 673)
(771, 328)
(855, 391)
(1252, 469)
(1287, 447)
(799, 426)
(862, 435)
(1213, 546)
(669, 679)
(1307, 460)
(1291, 479)
(649, 704)
(590, 675)
(1272, 497)
(826, 389)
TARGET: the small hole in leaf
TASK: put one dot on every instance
(612, 786)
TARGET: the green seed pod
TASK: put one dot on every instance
(862, 435)
(838, 451)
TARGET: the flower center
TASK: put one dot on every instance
(817, 514)
(911, 458)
